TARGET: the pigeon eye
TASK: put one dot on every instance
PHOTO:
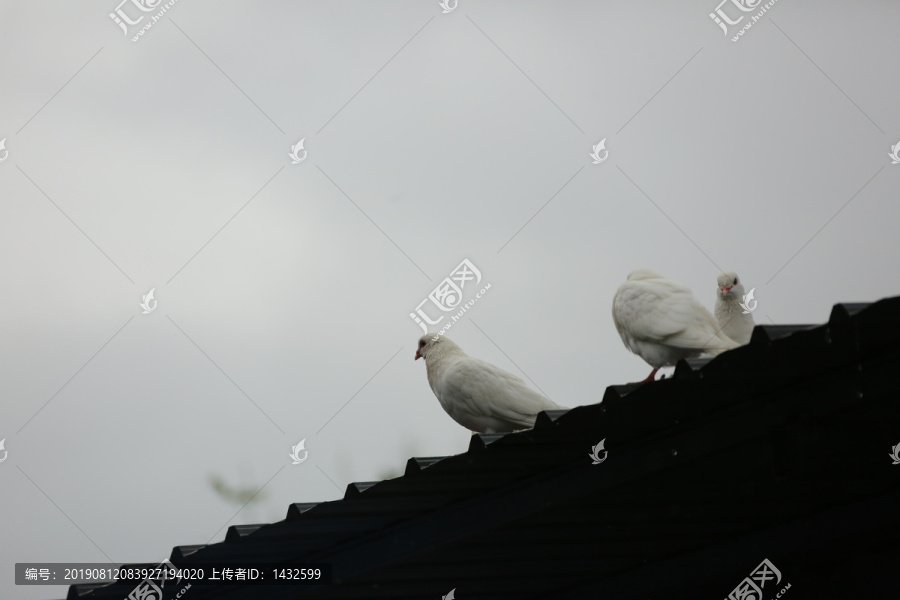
(735, 281)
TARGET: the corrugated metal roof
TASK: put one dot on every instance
(778, 449)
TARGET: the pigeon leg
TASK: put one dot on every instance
(650, 376)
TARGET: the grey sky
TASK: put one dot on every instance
(285, 290)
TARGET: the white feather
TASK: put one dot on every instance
(477, 394)
(662, 322)
(729, 312)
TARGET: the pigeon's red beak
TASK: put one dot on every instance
(418, 356)
(726, 289)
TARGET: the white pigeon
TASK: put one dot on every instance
(733, 319)
(476, 394)
(661, 321)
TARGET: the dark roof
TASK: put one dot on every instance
(777, 450)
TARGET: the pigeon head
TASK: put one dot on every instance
(427, 343)
(730, 285)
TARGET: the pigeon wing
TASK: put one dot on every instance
(666, 312)
(489, 391)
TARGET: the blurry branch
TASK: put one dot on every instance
(388, 473)
(410, 449)
(239, 495)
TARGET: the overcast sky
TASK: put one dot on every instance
(284, 291)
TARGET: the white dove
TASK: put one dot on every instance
(661, 321)
(476, 394)
(735, 322)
